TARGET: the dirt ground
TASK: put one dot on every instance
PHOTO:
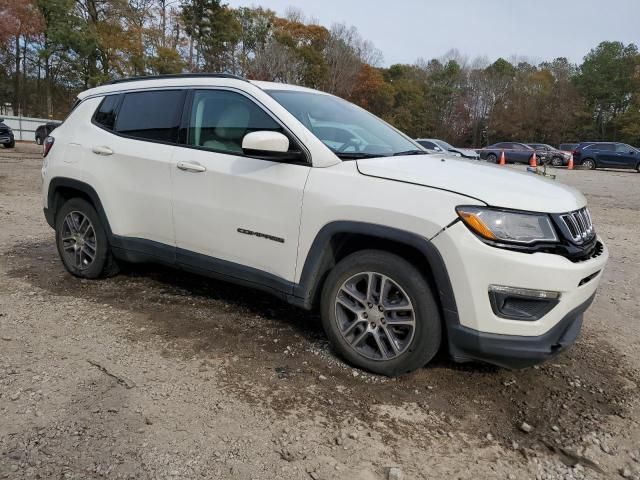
(160, 374)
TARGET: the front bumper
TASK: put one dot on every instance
(474, 266)
(6, 139)
(514, 351)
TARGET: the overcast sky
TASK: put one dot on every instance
(405, 30)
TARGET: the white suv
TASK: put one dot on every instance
(315, 200)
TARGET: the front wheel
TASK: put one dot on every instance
(82, 241)
(380, 314)
(11, 144)
(556, 162)
(589, 164)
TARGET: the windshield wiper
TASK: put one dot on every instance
(358, 155)
(411, 152)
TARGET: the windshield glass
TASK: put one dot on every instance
(349, 131)
(444, 145)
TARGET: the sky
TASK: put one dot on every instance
(538, 30)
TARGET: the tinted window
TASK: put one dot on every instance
(106, 113)
(623, 148)
(426, 144)
(151, 115)
(220, 119)
(609, 147)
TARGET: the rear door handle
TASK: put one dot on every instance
(191, 167)
(101, 150)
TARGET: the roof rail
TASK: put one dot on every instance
(175, 75)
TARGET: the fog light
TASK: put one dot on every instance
(521, 303)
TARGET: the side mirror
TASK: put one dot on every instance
(269, 145)
(631, 152)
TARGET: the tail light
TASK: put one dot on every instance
(576, 151)
(46, 146)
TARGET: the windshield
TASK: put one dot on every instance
(349, 131)
(444, 145)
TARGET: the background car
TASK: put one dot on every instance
(442, 146)
(6, 135)
(513, 152)
(551, 155)
(568, 147)
(44, 130)
(594, 155)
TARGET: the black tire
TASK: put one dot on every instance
(589, 163)
(556, 162)
(10, 145)
(103, 264)
(427, 334)
(638, 167)
(492, 158)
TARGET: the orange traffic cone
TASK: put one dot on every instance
(534, 161)
(570, 166)
(502, 159)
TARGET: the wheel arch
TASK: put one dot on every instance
(62, 189)
(338, 239)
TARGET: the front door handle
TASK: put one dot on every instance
(191, 167)
(101, 150)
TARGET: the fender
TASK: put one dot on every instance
(321, 258)
(58, 183)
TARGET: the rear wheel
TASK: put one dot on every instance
(556, 161)
(380, 314)
(589, 164)
(82, 241)
(492, 158)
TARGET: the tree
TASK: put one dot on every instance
(606, 80)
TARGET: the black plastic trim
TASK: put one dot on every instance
(321, 258)
(175, 75)
(515, 351)
(63, 182)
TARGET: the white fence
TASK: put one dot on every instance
(24, 128)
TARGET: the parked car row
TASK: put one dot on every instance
(591, 155)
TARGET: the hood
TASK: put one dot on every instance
(494, 185)
(468, 152)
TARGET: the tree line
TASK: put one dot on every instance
(52, 49)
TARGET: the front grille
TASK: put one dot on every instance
(579, 225)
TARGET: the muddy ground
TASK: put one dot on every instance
(160, 374)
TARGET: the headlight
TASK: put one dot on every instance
(508, 226)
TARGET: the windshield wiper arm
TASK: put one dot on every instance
(411, 152)
(358, 155)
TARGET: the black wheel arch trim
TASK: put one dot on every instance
(321, 259)
(58, 183)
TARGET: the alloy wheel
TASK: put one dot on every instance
(79, 242)
(375, 316)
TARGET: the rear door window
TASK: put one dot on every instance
(152, 115)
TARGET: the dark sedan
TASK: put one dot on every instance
(43, 131)
(552, 155)
(594, 155)
(513, 152)
(6, 135)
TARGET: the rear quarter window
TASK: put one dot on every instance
(105, 115)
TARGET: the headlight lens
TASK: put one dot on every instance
(508, 226)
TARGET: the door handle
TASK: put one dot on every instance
(101, 150)
(191, 167)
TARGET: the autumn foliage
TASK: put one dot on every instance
(51, 49)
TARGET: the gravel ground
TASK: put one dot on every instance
(160, 374)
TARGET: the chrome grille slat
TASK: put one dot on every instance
(579, 225)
